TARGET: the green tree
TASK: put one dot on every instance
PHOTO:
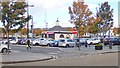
(106, 14)
(13, 15)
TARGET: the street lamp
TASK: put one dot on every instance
(32, 30)
(28, 21)
(78, 35)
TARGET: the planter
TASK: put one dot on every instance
(98, 47)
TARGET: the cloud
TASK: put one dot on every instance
(92, 6)
(100, 1)
(50, 4)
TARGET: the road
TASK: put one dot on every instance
(59, 52)
(55, 51)
(35, 49)
(70, 56)
(109, 59)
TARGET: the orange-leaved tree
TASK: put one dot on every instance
(79, 16)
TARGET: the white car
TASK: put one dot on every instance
(36, 42)
(4, 48)
(66, 42)
(91, 41)
(41, 41)
(5, 41)
(83, 40)
(13, 41)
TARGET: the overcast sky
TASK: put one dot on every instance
(50, 10)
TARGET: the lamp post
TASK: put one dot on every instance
(28, 21)
(78, 36)
(32, 30)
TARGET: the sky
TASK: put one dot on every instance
(50, 10)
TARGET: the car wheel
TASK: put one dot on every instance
(91, 43)
(6, 42)
(48, 44)
(4, 50)
(67, 46)
(36, 44)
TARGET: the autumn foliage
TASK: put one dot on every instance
(82, 18)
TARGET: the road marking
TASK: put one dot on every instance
(52, 53)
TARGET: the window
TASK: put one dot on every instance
(69, 40)
(62, 40)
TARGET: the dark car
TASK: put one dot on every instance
(106, 41)
(115, 41)
(22, 41)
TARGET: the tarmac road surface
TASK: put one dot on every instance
(108, 59)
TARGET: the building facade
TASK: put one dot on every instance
(58, 32)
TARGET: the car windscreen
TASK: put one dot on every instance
(70, 40)
(62, 40)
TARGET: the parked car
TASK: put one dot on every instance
(106, 41)
(41, 41)
(36, 42)
(4, 48)
(53, 43)
(76, 41)
(92, 41)
(13, 41)
(23, 41)
(5, 41)
(44, 41)
(66, 42)
(83, 41)
(115, 41)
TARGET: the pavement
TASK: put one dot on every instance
(22, 57)
(91, 50)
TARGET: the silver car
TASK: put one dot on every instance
(66, 42)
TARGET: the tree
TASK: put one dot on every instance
(106, 14)
(93, 25)
(24, 31)
(80, 15)
(37, 32)
(1, 32)
(71, 29)
(13, 15)
(116, 31)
